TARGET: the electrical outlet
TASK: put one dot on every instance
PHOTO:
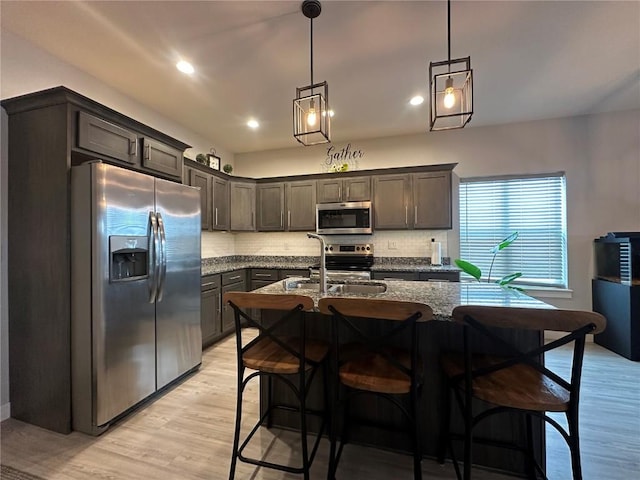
(392, 245)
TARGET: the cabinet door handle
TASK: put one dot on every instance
(204, 285)
(406, 214)
(289, 218)
(348, 191)
(147, 152)
(262, 275)
(133, 147)
(216, 216)
(234, 278)
(339, 193)
(415, 217)
(281, 218)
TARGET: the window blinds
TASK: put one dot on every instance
(534, 206)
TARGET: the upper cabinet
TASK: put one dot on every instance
(242, 203)
(203, 181)
(301, 205)
(391, 198)
(419, 200)
(432, 200)
(286, 206)
(99, 136)
(349, 189)
(270, 206)
(114, 143)
(159, 157)
(220, 209)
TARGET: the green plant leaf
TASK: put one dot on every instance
(507, 279)
(505, 243)
(469, 268)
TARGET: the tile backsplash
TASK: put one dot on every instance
(412, 243)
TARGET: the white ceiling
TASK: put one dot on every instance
(531, 59)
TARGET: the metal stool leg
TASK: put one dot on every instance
(236, 433)
(417, 444)
(574, 443)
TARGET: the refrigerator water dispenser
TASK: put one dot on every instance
(128, 258)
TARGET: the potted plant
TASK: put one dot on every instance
(228, 168)
(475, 272)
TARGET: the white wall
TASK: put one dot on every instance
(27, 68)
(600, 155)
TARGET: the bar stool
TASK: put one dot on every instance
(289, 358)
(518, 382)
(373, 366)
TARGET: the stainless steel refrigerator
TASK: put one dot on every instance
(135, 243)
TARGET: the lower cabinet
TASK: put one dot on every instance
(235, 281)
(393, 275)
(210, 309)
(417, 276)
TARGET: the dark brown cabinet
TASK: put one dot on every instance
(412, 201)
(203, 181)
(158, 157)
(416, 276)
(270, 207)
(102, 137)
(210, 309)
(235, 281)
(301, 206)
(242, 206)
(431, 200)
(391, 199)
(220, 207)
(349, 189)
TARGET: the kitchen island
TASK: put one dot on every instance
(435, 337)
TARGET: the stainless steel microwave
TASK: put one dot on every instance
(346, 218)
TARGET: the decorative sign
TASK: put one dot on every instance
(341, 160)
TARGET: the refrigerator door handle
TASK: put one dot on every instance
(153, 260)
(163, 258)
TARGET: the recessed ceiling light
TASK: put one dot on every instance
(253, 124)
(417, 100)
(185, 67)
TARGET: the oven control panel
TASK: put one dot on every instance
(351, 249)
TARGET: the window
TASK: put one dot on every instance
(492, 208)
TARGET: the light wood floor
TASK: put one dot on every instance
(186, 435)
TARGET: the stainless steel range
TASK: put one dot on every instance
(346, 262)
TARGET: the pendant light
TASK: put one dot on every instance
(451, 89)
(311, 119)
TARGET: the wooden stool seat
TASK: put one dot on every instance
(268, 356)
(519, 386)
(374, 373)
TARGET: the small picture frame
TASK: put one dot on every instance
(214, 161)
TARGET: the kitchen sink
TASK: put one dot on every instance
(340, 288)
(367, 289)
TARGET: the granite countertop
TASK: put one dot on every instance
(442, 297)
(212, 266)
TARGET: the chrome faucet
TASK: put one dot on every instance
(323, 273)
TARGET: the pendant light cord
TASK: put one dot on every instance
(449, 34)
(311, 43)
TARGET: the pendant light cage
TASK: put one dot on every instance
(451, 77)
(311, 119)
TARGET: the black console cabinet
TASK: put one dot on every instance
(616, 292)
(620, 304)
